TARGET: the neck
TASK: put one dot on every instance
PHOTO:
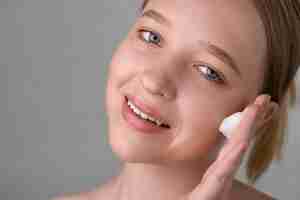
(158, 181)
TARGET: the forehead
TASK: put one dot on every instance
(233, 25)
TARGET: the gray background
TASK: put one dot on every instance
(53, 65)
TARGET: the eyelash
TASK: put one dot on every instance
(141, 31)
(219, 77)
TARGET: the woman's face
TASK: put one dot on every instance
(195, 62)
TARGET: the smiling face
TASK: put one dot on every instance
(196, 62)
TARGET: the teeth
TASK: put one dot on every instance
(143, 115)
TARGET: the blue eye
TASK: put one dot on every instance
(150, 37)
(209, 73)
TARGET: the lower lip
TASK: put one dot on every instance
(140, 124)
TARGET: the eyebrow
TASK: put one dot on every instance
(156, 16)
(211, 48)
(221, 54)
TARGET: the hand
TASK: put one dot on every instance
(217, 180)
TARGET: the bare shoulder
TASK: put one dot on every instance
(98, 192)
(247, 192)
(93, 194)
(74, 196)
(240, 191)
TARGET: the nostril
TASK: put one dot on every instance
(165, 126)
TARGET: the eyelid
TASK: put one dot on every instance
(213, 68)
(147, 29)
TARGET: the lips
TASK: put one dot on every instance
(147, 109)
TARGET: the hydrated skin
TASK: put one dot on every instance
(165, 77)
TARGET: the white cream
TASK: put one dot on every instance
(230, 123)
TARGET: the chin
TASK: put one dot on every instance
(131, 156)
(128, 151)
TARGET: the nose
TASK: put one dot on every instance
(158, 83)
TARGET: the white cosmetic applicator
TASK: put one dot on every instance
(230, 123)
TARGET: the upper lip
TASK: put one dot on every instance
(147, 109)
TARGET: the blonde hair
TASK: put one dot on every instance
(281, 20)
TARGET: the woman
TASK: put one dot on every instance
(185, 66)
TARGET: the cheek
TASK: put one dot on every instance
(127, 60)
(201, 117)
(201, 124)
(198, 135)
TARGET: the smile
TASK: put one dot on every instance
(141, 121)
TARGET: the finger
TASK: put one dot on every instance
(268, 115)
(216, 164)
(231, 155)
(222, 171)
(262, 99)
(257, 109)
(229, 164)
(271, 111)
(264, 102)
(227, 189)
(244, 130)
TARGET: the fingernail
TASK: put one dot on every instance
(267, 99)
